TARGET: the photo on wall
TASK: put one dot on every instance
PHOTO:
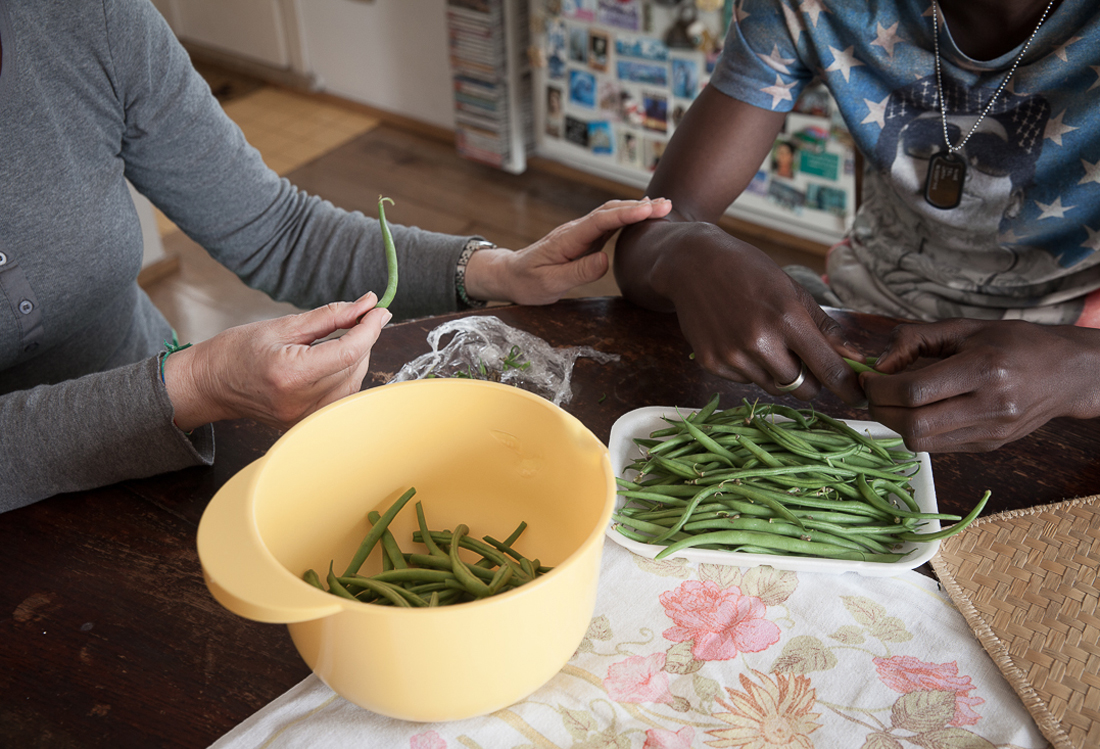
(578, 44)
(656, 112)
(654, 149)
(622, 14)
(598, 44)
(784, 159)
(599, 137)
(581, 10)
(611, 99)
(653, 74)
(631, 110)
(556, 50)
(630, 149)
(582, 89)
(641, 48)
(554, 111)
(576, 131)
(685, 78)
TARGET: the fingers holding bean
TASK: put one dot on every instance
(276, 371)
(973, 385)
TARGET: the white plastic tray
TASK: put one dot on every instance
(641, 422)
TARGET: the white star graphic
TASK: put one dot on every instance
(843, 61)
(1009, 237)
(1061, 51)
(876, 112)
(814, 9)
(742, 14)
(1092, 173)
(780, 91)
(1053, 210)
(1095, 69)
(794, 22)
(1093, 242)
(1055, 129)
(887, 38)
(775, 61)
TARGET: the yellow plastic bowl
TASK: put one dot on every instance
(480, 453)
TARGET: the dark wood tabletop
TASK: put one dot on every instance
(109, 637)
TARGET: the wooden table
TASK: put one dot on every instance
(109, 637)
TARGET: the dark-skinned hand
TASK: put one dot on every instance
(991, 382)
(749, 322)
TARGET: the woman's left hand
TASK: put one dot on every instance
(993, 382)
(567, 257)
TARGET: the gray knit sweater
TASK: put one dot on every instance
(94, 92)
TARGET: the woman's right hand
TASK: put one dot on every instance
(276, 371)
(746, 319)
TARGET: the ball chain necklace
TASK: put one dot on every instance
(943, 187)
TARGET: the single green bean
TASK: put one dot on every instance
(391, 593)
(462, 572)
(703, 494)
(310, 576)
(391, 255)
(335, 587)
(500, 579)
(389, 545)
(709, 444)
(444, 563)
(950, 530)
(770, 541)
(376, 532)
(860, 367)
(866, 439)
(427, 540)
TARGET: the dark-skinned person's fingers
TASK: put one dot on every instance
(802, 383)
(911, 341)
(816, 343)
(987, 383)
(954, 425)
(939, 381)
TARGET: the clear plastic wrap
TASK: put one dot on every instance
(484, 347)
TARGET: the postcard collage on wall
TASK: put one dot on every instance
(620, 74)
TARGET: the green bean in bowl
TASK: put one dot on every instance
(437, 576)
(764, 483)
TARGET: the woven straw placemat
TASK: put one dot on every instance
(1026, 581)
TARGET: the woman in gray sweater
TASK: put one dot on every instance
(95, 93)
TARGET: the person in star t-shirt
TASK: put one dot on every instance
(1005, 283)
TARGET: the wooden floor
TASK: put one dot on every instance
(433, 188)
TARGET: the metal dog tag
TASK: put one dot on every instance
(943, 187)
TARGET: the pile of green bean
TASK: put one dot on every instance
(439, 577)
(804, 484)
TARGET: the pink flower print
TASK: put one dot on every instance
(638, 679)
(906, 674)
(659, 738)
(720, 622)
(427, 740)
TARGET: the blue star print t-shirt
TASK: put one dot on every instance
(1024, 240)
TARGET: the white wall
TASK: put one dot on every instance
(389, 54)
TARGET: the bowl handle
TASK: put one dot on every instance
(241, 572)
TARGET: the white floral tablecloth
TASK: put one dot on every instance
(682, 655)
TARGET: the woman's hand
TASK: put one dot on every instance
(277, 371)
(567, 257)
(994, 382)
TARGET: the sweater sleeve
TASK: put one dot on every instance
(85, 433)
(193, 162)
